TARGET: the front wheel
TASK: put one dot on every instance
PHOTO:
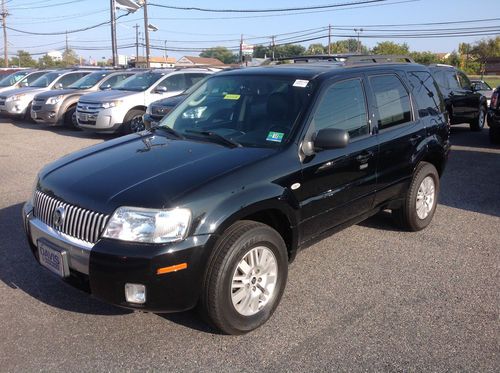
(245, 278)
(133, 121)
(420, 203)
(478, 123)
(70, 118)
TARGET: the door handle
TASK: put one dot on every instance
(415, 138)
(364, 157)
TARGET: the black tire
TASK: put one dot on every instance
(494, 135)
(216, 304)
(478, 124)
(406, 216)
(133, 121)
(70, 117)
(27, 115)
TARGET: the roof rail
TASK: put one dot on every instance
(349, 58)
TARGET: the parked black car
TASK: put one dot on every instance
(463, 102)
(158, 109)
(494, 117)
(210, 207)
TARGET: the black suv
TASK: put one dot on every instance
(494, 116)
(209, 207)
(464, 103)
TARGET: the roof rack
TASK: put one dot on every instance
(349, 58)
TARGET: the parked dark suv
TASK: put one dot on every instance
(494, 117)
(464, 103)
(209, 207)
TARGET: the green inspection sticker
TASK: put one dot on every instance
(231, 97)
(275, 136)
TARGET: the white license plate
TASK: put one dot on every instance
(33, 114)
(83, 117)
(53, 259)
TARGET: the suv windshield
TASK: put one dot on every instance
(45, 80)
(88, 81)
(139, 82)
(12, 78)
(251, 110)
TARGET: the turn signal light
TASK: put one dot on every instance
(174, 268)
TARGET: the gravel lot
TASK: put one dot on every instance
(369, 298)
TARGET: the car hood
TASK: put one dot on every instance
(28, 90)
(108, 95)
(144, 170)
(170, 101)
(58, 92)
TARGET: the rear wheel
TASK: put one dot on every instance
(27, 115)
(245, 278)
(420, 203)
(478, 123)
(133, 121)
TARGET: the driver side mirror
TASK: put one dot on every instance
(331, 138)
(105, 87)
(161, 89)
(58, 86)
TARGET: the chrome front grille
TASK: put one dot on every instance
(88, 107)
(78, 222)
(160, 110)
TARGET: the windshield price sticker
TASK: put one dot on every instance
(301, 83)
(275, 136)
(231, 97)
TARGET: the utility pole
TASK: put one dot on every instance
(5, 45)
(165, 52)
(136, 43)
(146, 31)
(114, 49)
(329, 38)
(273, 44)
(358, 31)
(241, 49)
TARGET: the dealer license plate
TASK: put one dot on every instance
(83, 117)
(53, 258)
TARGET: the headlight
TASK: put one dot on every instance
(15, 97)
(54, 100)
(147, 225)
(31, 200)
(110, 104)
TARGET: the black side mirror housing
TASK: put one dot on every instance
(331, 138)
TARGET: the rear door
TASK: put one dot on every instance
(400, 133)
(471, 99)
(339, 184)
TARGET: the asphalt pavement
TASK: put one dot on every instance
(370, 298)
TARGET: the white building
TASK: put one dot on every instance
(55, 55)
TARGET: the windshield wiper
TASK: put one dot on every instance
(216, 137)
(169, 130)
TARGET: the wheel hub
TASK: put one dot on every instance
(425, 197)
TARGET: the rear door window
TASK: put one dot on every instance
(392, 100)
(452, 80)
(69, 79)
(464, 81)
(174, 83)
(426, 93)
(343, 106)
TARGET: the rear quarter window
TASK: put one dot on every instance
(426, 93)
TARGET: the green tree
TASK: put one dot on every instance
(70, 58)
(23, 59)
(425, 58)
(453, 59)
(316, 49)
(289, 50)
(389, 47)
(486, 48)
(348, 46)
(221, 53)
(46, 62)
(261, 51)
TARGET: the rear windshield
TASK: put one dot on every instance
(139, 82)
(45, 80)
(12, 78)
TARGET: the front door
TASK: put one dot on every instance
(339, 184)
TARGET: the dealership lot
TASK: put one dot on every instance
(369, 298)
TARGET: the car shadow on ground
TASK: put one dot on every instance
(461, 135)
(190, 319)
(59, 130)
(20, 271)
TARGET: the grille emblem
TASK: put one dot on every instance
(85, 107)
(58, 216)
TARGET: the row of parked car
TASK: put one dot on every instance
(106, 101)
(110, 101)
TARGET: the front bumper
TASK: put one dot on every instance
(48, 114)
(102, 120)
(109, 264)
(14, 108)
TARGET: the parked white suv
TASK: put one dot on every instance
(121, 109)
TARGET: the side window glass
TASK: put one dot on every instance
(69, 79)
(464, 81)
(393, 102)
(426, 93)
(343, 106)
(452, 80)
(174, 83)
(194, 78)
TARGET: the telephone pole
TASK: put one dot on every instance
(241, 49)
(114, 49)
(329, 39)
(4, 26)
(273, 44)
(136, 43)
(146, 31)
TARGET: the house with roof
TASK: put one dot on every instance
(154, 62)
(192, 61)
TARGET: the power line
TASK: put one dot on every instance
(267, 10)
(24, 6)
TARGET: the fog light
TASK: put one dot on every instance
(135, 293)
(52, 115)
